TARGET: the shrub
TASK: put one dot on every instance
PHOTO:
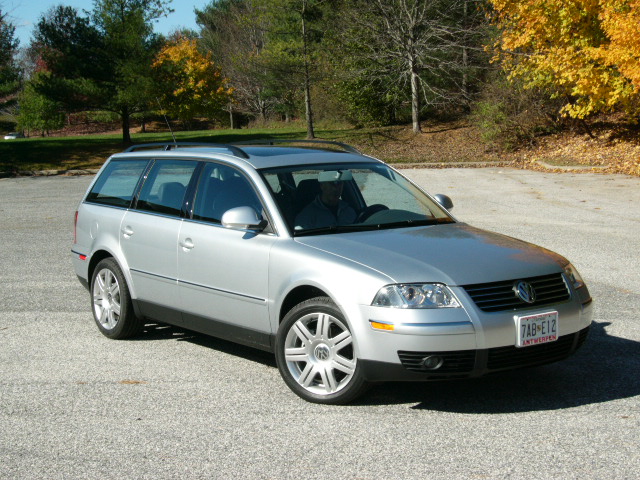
(509, 115)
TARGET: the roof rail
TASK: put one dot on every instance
(273, 141)
(236, 151)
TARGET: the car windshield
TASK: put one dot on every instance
(336, 198)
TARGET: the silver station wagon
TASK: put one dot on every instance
(332, 260)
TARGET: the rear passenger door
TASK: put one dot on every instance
(149, 237)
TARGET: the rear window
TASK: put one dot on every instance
(117, 183)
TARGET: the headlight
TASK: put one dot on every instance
(573, 276)
(416, 295)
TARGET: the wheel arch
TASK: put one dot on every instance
(96, 258)
(317, 387)
(100, 255)
(104, 252)
(299, 295)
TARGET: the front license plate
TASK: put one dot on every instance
(537, 329)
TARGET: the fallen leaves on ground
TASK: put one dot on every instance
(607, 152)
(450, 144)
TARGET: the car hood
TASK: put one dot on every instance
(455, 254)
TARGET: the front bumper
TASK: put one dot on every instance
(472, 363)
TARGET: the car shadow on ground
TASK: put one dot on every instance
(606, 368)
(155, 331)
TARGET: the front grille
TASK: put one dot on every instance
(500, 296)
(503, 358)
(460, 362)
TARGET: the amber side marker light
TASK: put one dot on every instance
(381, 326)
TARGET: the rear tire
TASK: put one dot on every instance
(111, 302)
(316, 356)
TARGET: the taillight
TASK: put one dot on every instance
(75, 226)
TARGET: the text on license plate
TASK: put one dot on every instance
(537, 329)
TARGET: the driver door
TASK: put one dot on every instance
(222, 272)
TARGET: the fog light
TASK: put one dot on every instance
(432, 362)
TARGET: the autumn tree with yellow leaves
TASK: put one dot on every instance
(191, 84)
(586, 52)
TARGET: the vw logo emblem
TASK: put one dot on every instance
(322, 352)
(525, 291)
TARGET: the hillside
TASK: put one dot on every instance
(612, 149)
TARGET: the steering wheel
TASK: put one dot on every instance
(370, 210)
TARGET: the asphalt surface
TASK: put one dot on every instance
(173, 404)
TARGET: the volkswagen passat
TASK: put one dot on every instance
(330, 259)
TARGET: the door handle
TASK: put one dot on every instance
(127, 231)
(187, 244)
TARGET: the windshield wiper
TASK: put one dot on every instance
(363, 227)
(414, 223)
(333, 229)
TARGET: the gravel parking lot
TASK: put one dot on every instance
(173, 404)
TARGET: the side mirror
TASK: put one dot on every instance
(243, 218)
(444, 201)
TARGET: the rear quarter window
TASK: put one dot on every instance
(117, 183)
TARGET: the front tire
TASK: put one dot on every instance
(316, 356)
(111, 302)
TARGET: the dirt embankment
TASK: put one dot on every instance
(609, 148)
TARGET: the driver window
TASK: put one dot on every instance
(222, 188)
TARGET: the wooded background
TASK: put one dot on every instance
(517, 69)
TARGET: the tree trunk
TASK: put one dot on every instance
(126, 135)
(415, 97)
(232, 124)
(263, 112)
(308, 112)
(586, 128)
(307, 81)
(465, 74)
(465, 57)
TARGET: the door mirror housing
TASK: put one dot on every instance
(444, 201)
(243, 218)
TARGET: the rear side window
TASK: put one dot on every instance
(117, 183)
(165, 187)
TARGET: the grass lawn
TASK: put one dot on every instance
(449, 143)
(90, 151)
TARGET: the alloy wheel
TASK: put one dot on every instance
(106, 299)
(319, 353)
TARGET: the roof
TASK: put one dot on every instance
(259, 157)
(269, 157)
